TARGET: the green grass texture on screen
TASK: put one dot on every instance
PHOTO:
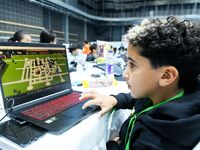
(15, 89)
(13, 73)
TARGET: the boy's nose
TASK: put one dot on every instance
(125, 74)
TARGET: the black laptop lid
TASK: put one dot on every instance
(30, 71)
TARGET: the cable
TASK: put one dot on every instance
(12, 102)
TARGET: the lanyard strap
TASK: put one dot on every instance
(134, 117)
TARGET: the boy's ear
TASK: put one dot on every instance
(168, 76)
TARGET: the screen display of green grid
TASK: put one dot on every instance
(26, 70)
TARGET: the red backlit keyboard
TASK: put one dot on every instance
(46, 110)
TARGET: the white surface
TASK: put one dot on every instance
(197, 147)
(90, 134)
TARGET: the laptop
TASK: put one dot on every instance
(35, 84)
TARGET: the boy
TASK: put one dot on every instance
(163, 67)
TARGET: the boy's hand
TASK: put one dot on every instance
(105, 102)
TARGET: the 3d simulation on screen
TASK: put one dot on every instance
(29, 70)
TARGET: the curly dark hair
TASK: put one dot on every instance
(170, 42)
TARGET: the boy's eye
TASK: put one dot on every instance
(131, 65)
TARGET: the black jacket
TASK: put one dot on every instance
(172, 126)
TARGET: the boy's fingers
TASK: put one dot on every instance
(89, 103)
(102, 112)
(87, 95)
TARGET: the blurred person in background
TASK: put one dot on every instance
(86, 48)
(20, 36)
(47, 37)
(93, 54)
(72, 56)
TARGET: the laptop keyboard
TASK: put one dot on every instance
(46, 110)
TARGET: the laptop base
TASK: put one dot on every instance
(63, 121)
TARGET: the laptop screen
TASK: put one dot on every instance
(30, 71)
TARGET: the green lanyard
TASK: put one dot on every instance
(134, 117)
